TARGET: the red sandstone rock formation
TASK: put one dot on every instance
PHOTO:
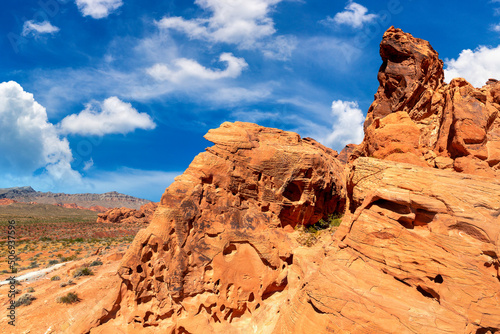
(128, 216)
(96, 208)
(419, 119)
(6, 201)
(218, 248)
(417, 251)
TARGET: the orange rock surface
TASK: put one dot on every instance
(417, 118)
(96, 208)
(128, 216)
(417, 251)
(6, 201)
(218, 248)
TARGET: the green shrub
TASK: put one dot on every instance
(24, 300)
(84, 271)
(53, 262)
(95, 263)
(31, 289)
(70, 298)
(55, 278)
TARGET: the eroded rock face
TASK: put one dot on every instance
(418, 252)
(128, 216)
(218, 248)
(417, 118)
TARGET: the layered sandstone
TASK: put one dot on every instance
(417, 253)
(96, 208)
(417, 118)
(128, 216)
(218, 249)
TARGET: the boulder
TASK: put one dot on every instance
(128, 216)
(416, 117)
(417, 253)
(218, 248)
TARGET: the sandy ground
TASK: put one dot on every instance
(45, 315)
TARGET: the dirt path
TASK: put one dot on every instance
(34, 275)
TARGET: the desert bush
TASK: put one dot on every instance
(95, 263)
(70, 298)
(52, 262)
(24, 300)
(83, 271)
(30, 289)
(55, 278)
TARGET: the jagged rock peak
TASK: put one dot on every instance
(417, 118)
(410, 67)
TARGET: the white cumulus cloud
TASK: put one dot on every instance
(98, 9)
(240, 22)
(110, 116)
(475, 66)
(354, 15)
(45, 27)
(29, 142)
(347, 124)
(182, 69)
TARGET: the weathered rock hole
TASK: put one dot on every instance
(166, 248)
(139, 269)
(438, 279)
(251, 298)
(259, 176)
(215, 317)
(257, 306)
(154, 247)
(317, 310)
(229, 250)
(222, 308)
(428, 292)
(172, 231)
(146, 257)
(487, 330)
(308, 173)
(293, 191)
(400, 280)
(273, 288)
(207, 180)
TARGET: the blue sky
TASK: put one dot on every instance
(103, 95)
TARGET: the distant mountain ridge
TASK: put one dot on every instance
(111, 199)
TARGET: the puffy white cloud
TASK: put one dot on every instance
(354, 15)
(347, 124)
(280, 48)
(45, 27)
(29, 142)
(241, 22)
(98, 9)
(475, 66)
(496, 27)
(110, 116)
(183, 69)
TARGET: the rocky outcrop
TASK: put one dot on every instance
(417, 118)
(96, 208)
(218, 248)
(128, 216)
(87, 201)
(7, 201)
(417, 253)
